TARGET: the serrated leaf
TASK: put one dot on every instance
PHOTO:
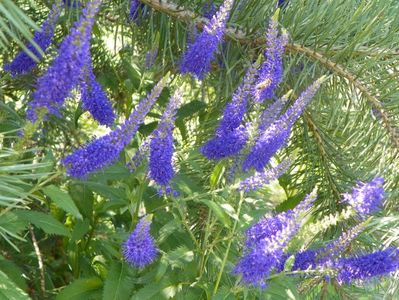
(63, 200)
(43, 221)
(118, 285)
(81, 289)
(9, 290)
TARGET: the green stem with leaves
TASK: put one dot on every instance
(229, 244)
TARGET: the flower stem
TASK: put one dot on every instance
(229, 244)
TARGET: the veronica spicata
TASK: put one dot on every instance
(23, 63)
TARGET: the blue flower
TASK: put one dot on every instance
(161, 145)
(265, 177)
(305, 260)
(95, 99)
(140, 155)
(231, 136)
(66, 70)
(103, 151)
(366, 198)
(199, 55)
(209, 9)
(134, 8)
(140, 249)
(367, 266)
(255, 266)
(275, 136)
(266, 145)
(271, 72)
(266, 240)
(23, 63)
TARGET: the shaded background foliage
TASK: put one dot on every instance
(75, 228)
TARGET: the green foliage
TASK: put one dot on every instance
(348, 133)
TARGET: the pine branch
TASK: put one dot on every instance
(239, 35)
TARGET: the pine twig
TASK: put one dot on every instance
(341, 71)
(239, 35)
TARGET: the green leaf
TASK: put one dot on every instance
(9, 290)
(118, 284)
(223, 293)
(180, 257)
(219, 212)
(43, 221)
(81, 289)
(151, 291)
(13, 272)
(63, 200)
(83, 198)
(217, 175)
(80, 229)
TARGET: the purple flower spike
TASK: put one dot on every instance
(256, 265)
(105, 150)
(231, 136)
(368, 266)
(95, 99)
(209, 9)
(305, 260)
(140, 250)
(266, 240)
(161, 145)
(366, 198)
(134, 8)
(140, 155)
(275, 136)
(270, 114)
(267, 144)
(23, 63)
(199, 55)
(66, 70)
(271, 72)
(259, 180)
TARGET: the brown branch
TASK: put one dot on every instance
(239, 35)
(39, 260)
(341, 71)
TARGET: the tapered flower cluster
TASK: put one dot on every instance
(140, 155)
(271, 72)
(260, 179)
(199, 55)
(95, 99)
(367, 266)
(231, 136)
(266, 240)
(140, 250)
(209, 9)
(327, 255)
(366, 198)
(271, 113)
(134, 9)
(23, 63)
(105, 150)
(161, 145)
(66, 70)
(276, 135)
(356, 268)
